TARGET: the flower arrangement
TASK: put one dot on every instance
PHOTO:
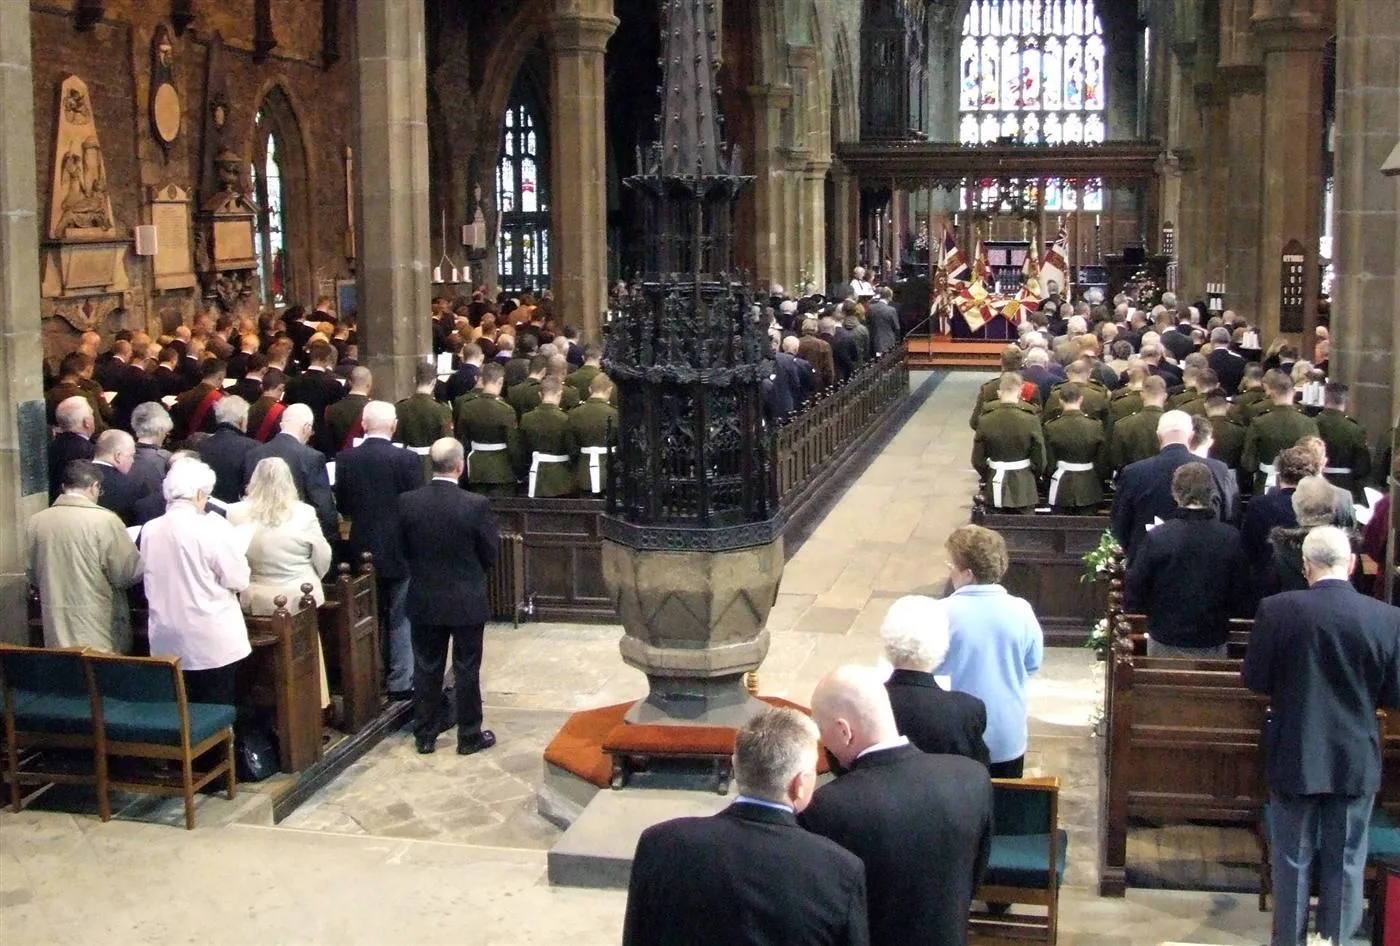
(1098, 639)
(1099, 560)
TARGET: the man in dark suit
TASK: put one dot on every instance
(1143, 492)
(921, 824)
(368, 481)
(938, 721)
(1227, 365)
(1189, 574)
(250, 383)
(1327, 658)
(450, 542)
(75, 422)
(318, 388)
(308, 465)
(799, 374)
(226, 450)
(883, 320)
(1275, 507)
(749, 875)
(112, 455)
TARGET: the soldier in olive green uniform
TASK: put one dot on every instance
(1251, 397)
(422, 419)
(580, 378)
(559, 370)
(1275, 427)
(1228, 436)
(594, 423)
(488, 428)
(547, 443)
(1125, 402)
(1192, 399)
(343, 417)
(1348, 450)
(1074, 455)
(1095, 396)
(1008, 450)
(1135, 437)
(1011, 359)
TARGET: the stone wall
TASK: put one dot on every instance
(113, 56)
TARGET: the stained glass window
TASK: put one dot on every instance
(267, 190)
(522, 250)
(1032, 73)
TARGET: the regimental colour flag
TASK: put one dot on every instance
(951, 259)
(981, 273)
(1056, 266)
(1032, 289)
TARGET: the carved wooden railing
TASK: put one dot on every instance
(833, 420)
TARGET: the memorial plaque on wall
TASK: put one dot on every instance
(170, 214)
(33, 448)
(1292, 291)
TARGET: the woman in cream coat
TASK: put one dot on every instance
(287, 548)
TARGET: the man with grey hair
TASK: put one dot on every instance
(1143, 491)
(76, 426)
(750, 863)
(449, 542)
(82, 561)
(308, 465)
(1327, 658)
(1227, 364)
(369, 480)
(916, 636)
(920, 823)
(227, 447)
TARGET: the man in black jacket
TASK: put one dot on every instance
(318, 388)
(1327, 658)
(73, 441)
(112, 455)
(450, 542)
(227, 448)
(1189, 574)
(307, 464)
(921, 824)
(883, 320)
(368, 481)
(1143, 491)
(749, 875)
(938, 721)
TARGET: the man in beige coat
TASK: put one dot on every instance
(82, 561)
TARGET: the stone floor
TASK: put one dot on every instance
(409, 849)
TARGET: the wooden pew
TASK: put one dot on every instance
(349, 627)
(283, 677)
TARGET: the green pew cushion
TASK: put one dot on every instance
(1382, 835)
(159, 723)
(53, 714)
(1022, 860)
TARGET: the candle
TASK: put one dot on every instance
(1096, 220)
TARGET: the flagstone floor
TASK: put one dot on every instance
(409, 849)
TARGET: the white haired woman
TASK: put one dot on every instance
(916, 635)
(194, 572)
(288, 548)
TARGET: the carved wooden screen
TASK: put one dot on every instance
(1032, 72)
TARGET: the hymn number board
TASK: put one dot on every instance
(1292, 294)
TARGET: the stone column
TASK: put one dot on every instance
(847, 222)
(23, 443)
(578, 199)
(395, 268)
(1242, 212)
(814, 223)
(1366, 244)
(768, 104)
(1293, 45)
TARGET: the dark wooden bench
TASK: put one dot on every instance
(349, 627)
(283, 677)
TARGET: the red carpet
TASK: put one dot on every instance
(578, 746)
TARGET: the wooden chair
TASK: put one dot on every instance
(350, 634)
(1026, 864)
(141, 711)
(48, 705)
(284, 677)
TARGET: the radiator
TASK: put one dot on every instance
(505, 586)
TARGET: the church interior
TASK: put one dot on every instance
(434, 182)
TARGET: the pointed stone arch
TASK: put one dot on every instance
(278, 114)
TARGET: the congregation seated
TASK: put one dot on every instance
(995, 643)
(1189, 574)
(916, 636)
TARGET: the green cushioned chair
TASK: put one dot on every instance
(1382, 840)
(1025, 863)
(143, 712)
(48, 706)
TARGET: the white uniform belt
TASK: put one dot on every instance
(487, 447)
(1061, 468)
(1270, 475)
(1003, 467)
(537, 458)
(1337, 471)
(595, 466)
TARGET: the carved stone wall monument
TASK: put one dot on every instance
(170, 215)
(85, 252)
